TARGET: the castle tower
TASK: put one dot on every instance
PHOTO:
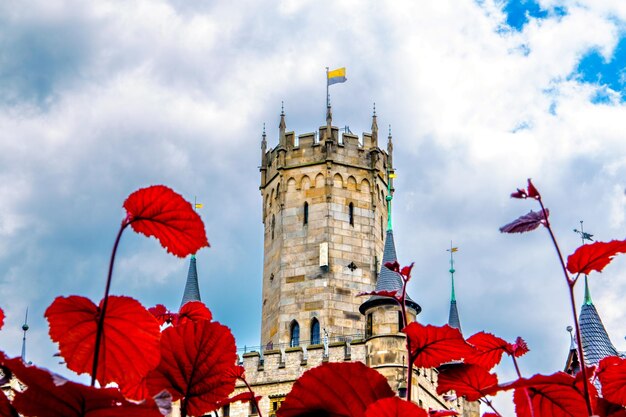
(324, 212)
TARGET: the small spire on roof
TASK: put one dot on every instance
(192, 289)
(374, 123)
(282, 141)
(453, 317)
(587, 293)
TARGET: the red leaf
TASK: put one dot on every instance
(193, 311)
(130, 340)
(432, 346)
(594, 256)
(612, 375)
(406, 271)
(6, 409)
(394, 407)
(52, 396)
(160, 212)
(488, 350)
(442, 413)
(1, 318)
(162, 314)
(471, 381)
(517, 349)
(556, 395)
(394, 266)
(519, 194)
(244, 397)
(196, 362)
(490, 415)
(335, 389)
(605, 408)
(532, 191)
(525, 223)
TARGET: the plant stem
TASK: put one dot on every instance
(105, 300)
(519, 375)
(490, 405)
(570, 287)
(253, 399)
(405, 322)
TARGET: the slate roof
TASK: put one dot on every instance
(596, 342)
(388, 280)
(192, 290)
(453, 318)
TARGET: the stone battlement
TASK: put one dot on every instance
(279, 365)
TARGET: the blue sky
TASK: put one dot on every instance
(98, 99)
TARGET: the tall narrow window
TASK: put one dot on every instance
(400, 321)
(294, 340)
(351, 213)
(306, 213)
(253, 410)
(226, 410)
(382, 236)
(368, 325)
(273, 225)
(315, 332)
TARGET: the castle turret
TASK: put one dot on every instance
(323, 211)
(192, 289)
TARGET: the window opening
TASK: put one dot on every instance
(351, 213)
(294, 340)
(315, 332)
(368, 325)
(306, 213)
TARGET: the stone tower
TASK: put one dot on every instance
(324, 212)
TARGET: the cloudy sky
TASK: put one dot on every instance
(100, 98)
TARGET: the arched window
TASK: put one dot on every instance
(273, 225)
(351, 213)
(315, 332)
(294, 331)
(306, 213)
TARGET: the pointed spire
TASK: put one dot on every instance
(390, 148)
(192, 290)
(282, 141)
(263, 147)
(25, 329)
(389, 197)
(587, 293)
(374, 124)
(453, 317)
(388, 280)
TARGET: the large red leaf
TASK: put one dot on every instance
(612, 375)
(193, 311)
(130, 340)
(335, 390)
(594, 256)
(432, 346)
(525, 223)
(470, 381)
(196, 365)
(556, 395)
(52, 396)
(160, 212)
(162, 314)
(394, 407)
(488, 349)
(605, 408)
(1, 318)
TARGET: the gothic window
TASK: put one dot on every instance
(368, 325)
(273, 225)
(400, 321)
(315, 332)
(226, 410)
(294, 339)
(306, 213)
(351, 213)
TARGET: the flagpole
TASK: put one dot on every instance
(327, 93)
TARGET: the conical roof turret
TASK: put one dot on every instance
(192, 289)
(388, 280)
(596, 342)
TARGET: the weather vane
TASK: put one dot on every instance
(584, 235)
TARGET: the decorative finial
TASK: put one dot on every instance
(263, 130)
(389, 131)
(25, 329)
(452, 270)
(282, 141)
(282, 108)
(588, 300)
(374, 114)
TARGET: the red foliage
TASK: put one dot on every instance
(556, 395)
(382, 293)
(335, 389)
(490, 415)
(488, 350)
(525, 223)
(196, 362)
(605, 408)
(162, 314)
(160, 212)
(471, 381)
(406, 271)
(594, 256)
(52, 396)
(130, 341)
(432, 346)
(193, 311)
(532, 191)
(6, 409)
(394, 266)
(244, 397)
(1, 318)
(612, 375)
(394, 407)
(517, 349)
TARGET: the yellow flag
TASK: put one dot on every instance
(392, 175)
(455, 249)
(199, 205)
